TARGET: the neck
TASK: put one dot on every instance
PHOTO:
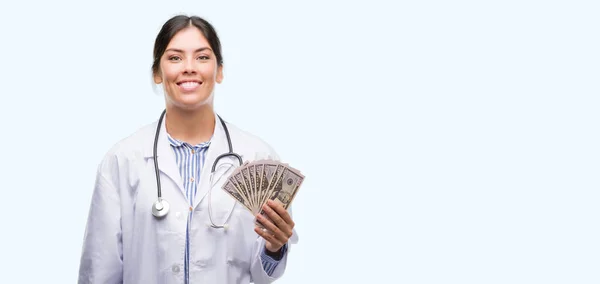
(193, 127)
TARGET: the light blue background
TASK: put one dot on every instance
(442, 141)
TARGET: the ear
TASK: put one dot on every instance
(157, 78)
(219, 74)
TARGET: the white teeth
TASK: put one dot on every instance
(189, 84)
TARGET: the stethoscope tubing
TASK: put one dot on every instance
(162, 204)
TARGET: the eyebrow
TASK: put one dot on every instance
(181, 51)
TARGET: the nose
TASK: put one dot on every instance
(190, 66)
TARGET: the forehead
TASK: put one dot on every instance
(189, 38)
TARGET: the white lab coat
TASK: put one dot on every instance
(125, 243)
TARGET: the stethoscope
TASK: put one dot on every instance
(161, 207)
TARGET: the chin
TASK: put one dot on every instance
(191, 101)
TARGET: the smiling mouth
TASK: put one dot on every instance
(188, 86)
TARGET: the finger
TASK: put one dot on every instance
(268, 237)
(286, 226)
(278, 232)
(265, 222)
(284, 214)
(276, 219)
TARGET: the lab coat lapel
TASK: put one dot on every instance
(218, 146)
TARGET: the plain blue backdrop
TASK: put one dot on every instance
(442, 141)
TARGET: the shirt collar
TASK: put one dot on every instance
(178, 143)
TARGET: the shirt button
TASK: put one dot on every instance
(192, 179)
(193, 151)
(175, 268)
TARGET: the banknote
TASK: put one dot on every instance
(238, 189)
(230, 188)
(253, 183)
(248, 182)
(269, 171)
(237, 179)
(284, 189)
(258, 173)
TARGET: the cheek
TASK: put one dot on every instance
(170, 76)
(169, 73)
(210, 74)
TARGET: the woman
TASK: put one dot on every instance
(124, 242)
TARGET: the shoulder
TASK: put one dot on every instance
(261, 148)
(139, 141)
(129, 148)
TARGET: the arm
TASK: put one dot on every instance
(270, 260)
(101, 259)
(273, 246)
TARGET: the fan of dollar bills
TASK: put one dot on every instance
(253, 183)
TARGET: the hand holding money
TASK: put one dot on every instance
(267, 188)
(278, 225)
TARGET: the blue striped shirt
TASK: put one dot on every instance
(190, 161)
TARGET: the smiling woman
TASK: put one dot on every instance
(130, 236)
(188, 63)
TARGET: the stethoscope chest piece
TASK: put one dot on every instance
(160, 208)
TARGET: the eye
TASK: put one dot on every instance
(203, 57)
(174, 57)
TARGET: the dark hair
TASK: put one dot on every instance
(178, 23)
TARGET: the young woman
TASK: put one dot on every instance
(158, 213)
